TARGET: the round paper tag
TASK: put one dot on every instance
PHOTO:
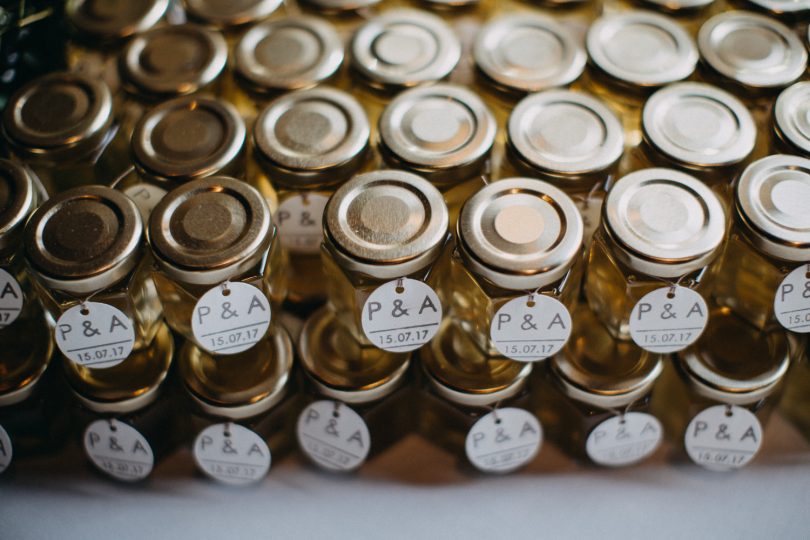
(300, 222)
(401, 315)
(624, 440)
(6, 450)
(145, 197)
(95, 335)
(668, 319)
(723, 437)
(232, 454)
(11, 299)
(118, 450)
(530, 328)
(791, 304)
(504, 440)
(333, 436)
(230, 318)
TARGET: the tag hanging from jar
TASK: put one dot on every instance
(11, 299)
(230, 318)
(95, 335)
(333, 436)
(624, 439)
(723, 437)
(530, 328)
(118, 450)
(668, 319)
(232, 454)
(504, 440)
(791, 303)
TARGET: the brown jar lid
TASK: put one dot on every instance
(109, 20)
(230, 13)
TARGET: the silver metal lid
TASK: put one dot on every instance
(404, 47)
(443, 131)
(312, 137)
(210, 230)
(665, 223)
(678, 6)
(386, 224)
(61, 115)
(565, 133)
(18, 198)
(525, 52)
(787, 8)
(772, 199)
(84, 239)
(698, 125)
(288, 54)
(187, 138)
(753, 50)
(341, 5)
(641, 48)
(520, 233)
(174, 60)
(230, 13)
(110, 20)
(791, 116)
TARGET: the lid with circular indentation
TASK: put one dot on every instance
(443, 131)
(174, 60)
(698, 125)
(641, 48)
(18, 199)
(520, 233)
(527, 53)
(678, 6)
(791, 116)
(210, 230)
(288, 54)
(106, 20)
(57, 116)
(189, 137)
(341, 5)
(783, 8)
(404, 47)
(753, 50)
(564, 133)
(665, 223)
(230, 13)
(772, 198)
(84, 239)
(386, 218)
(312, 137)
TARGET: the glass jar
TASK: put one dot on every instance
(85, 248)
(378, 227)
(444, 133)
(789, 118)
(61, 125)
(594, 400)
(298, 169)
(659, 227)
(770, 237)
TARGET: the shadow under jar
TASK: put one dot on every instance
(381, 229)
(87, 254)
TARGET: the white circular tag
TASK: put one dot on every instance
(95, 335)
(333, 436)
(230, 318)
(624, 440)
(11, 299)
(791, 304)
(232, 454)
(145, 197)
(300, 222)
(530, 328)
(6, 450)
(504, 440)
(723, 438)
(668, 319)
(118, 450)
(401, 315)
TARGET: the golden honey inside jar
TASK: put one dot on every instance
(659, 227)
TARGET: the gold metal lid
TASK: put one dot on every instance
(312, 137)
(188, 138)
(564, 133)
(110, 20)
(386, 224)
(753, 50)
(772, 200)
(84, 239)
(734, 362)
(678, 6)
(526, 52)
(665, 223)
(18, 198)
(404, 47)
(783, 8)
(698, 125)
(62, 115)
(173, 60)
(791, 116)
(444, 132)
(209, 230)
(332, 6)
(520, 233)
(288, 54)
(641, 48)
(230, 13)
